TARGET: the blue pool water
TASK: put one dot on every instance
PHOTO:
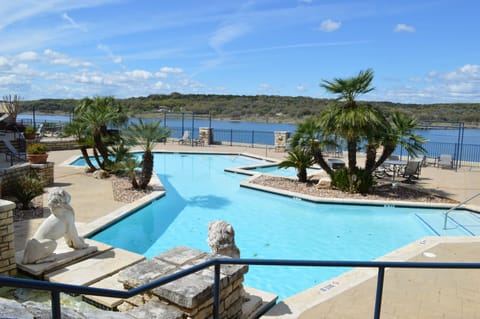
(267, 226)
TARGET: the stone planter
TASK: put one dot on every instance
(37, 158)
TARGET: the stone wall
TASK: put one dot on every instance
(57, 144)
(206, 135)
(281, 138)
(11, 175)
(8, 267)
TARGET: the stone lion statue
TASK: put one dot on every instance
(61, 223)
(221, 239)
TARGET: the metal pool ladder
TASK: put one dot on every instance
(455, 207)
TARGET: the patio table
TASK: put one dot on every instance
(397, 166)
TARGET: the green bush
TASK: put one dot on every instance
(36, 148)
(29, 130)
(358, 181)
(27, 188)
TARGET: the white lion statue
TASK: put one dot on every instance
(61, 223)
(221, 239)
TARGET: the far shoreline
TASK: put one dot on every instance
(247, 119)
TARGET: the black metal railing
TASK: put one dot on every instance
(57, 288)
(464, 155)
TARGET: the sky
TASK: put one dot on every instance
(421, 51)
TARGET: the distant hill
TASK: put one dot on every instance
(261, 108)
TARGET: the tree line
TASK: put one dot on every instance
(264, 108)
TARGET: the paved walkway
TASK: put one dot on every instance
(93, 199)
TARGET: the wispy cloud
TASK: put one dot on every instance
(73, 23)
(329, 25)
(264, 87)
(16, 11)
(226, 34)
(59, 58)
(114, 58)
(28, 56)
(301, 88)
(403, 28)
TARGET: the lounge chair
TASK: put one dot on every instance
(185, 138)
(39, 131)
(445, 161)
(411, 171)
(13, 153)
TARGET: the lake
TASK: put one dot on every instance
(471, 136)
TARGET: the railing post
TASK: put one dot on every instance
(378, 296)
(231, 137)
(56, 308)
(216, 292)
(253, 138)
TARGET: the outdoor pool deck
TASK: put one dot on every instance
(91, 204)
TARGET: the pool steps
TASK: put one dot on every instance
(459, 223)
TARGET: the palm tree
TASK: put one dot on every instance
(300, 159)
(130, 165)
(96, 114)
(348, 118)
(145, 134)
(361, 124)
(79, 131)
(401, 132)
(309, 136)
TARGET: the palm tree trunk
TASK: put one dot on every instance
(84, 152)
(98, 159)
(370, 160)
(133, 180)
(147, 169)
(352, 155)
(387, 151)
(302, 175)
(102, 149)
(318, 156)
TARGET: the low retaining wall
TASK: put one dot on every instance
(59, 144)
(12, 174)
(8, 266)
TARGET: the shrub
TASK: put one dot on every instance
(29, 130)
(360, 181)
(36, 148)
(27, 188)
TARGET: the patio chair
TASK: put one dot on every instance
(445, 161)
(185, 138)
(411, 171)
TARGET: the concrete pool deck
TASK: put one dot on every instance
(92, 204)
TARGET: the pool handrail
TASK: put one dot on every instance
(455, 207)
(57, 288)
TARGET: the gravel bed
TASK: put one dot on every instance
(380, 192)
(124, 192)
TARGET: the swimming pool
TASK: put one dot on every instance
(267, 225)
